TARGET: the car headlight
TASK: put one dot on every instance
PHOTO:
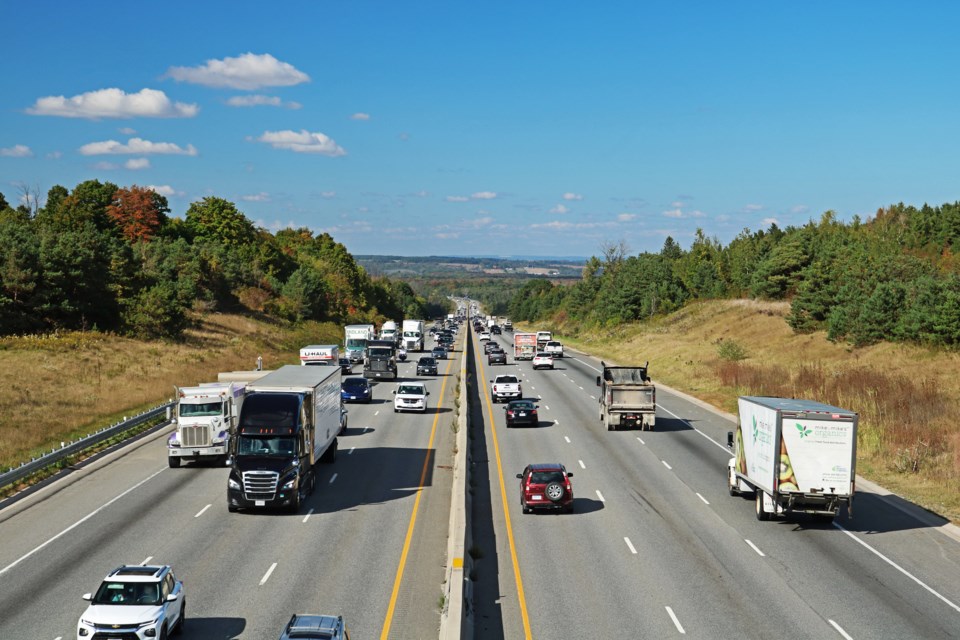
(289, 484)
(233, 484)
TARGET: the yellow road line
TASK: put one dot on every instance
(413, 516)
(506, 511)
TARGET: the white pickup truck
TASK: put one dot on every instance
(505, 388)
(554, 348)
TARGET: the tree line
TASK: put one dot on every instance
(111, 258)
(893, 277)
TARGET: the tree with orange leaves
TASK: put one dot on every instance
(138, 212)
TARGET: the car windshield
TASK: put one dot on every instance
(545, 477)
(506, 379)
(428, 361)
(523, 406)
(543, 355)
(355, 383)
(132, 593)
(411, 389)
(382, 352)
(266, 446)
(202, 409)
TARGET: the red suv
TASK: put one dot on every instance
(546, 486)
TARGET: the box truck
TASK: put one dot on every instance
(524, 345)
(206, 418)
(320, 355)
(628, 398)
(356, 337)
(289, 421)
(796, 456)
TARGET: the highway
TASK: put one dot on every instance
(369, 544)
(657, 548)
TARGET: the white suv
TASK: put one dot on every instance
(135, 601)
(410, 396)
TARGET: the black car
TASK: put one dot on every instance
(497, 357)
(439, 352)
(490, 345)
(495, 330)
(346, 367)
(522, 412)
(426, 366)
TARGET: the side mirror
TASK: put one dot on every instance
(394, 392)
(519, 475)
(730, 439)
(172, 597)
(87, 596)
(229, 461)
(598, 381)
(570, 474)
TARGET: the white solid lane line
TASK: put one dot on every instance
(630, 545)
(756, 548)
(893, 564)
(332, 478)
(309, 513)
(200, 513)
(266, 576)
(666, 465)
(79, 522)
(840, 630)
(600, 495)
(586, 364)
(705, 501)
(724, 447)
(582, 466)
(676, 621)
(567, 439)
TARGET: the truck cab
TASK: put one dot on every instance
(381, 360)
(206, 418)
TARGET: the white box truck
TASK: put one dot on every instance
(289, 421)
(796, 456)
(206, 418)
(320, 355)
(412, 335)
(356, 337)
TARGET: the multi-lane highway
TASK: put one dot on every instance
(656, 548)
(370, 544)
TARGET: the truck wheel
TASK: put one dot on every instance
(762, 513)
(554, 492)
(330, 455)
(732, 487)
(232, 508)
(182, 622)
(173, 462)
(295, 505)
(610, 426)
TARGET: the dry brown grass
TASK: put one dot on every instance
(908, 397)
(57, 387)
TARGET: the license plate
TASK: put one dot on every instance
(353, 397)
(260, 503)
(522, 414)
(536, 497)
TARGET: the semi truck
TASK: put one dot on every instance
(390, 332)
(289, 421)
(320, 355)
(356, 337)
(206, 418)
(412, 335)
(628, 398)
(543, 337)
(381, 360)
(795, 456)
(524, 345)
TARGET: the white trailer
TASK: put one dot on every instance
(206, 418)
(796, 456)
(320, 354)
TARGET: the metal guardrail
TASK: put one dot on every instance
(19, 473)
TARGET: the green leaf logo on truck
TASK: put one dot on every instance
(756, 430)
(804, 432)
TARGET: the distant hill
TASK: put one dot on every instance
(467, 266)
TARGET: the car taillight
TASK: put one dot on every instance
(509, 414)
(534, 412)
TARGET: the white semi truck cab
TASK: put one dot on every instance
(206, 418)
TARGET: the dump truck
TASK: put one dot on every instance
(795, 456)
(628, 399)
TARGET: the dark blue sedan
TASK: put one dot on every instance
(356, 390)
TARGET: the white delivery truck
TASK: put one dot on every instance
(390, 332)
(320, 354)
(206, 418)
(796, 456)
(356, 337)
(524, 345)
(412, 335)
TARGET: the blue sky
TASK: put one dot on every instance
(513, 128)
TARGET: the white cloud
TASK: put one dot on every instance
(572, 196)
(137, 163)
(106, 166)
(446, 236)
(680, 213)
(769, 221)
(484, 195)
(127, 131)
(258, 100)
(248, 71)
(137, 146)
(558, 225)
(457, 199)
(421, 194)
(360, 116)
(678, 204)
(113, 103)
(328, 194)
(753, 208)
(16, 151)
(478, 223)
(626, 217)
(256, 197)
(55, 155)
(674, 213)
(302, 141)
(164, 190)
(800, 208)
(560, 209)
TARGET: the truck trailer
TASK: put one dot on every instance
(795, 456)
(289, 421)
(628, 398)
(320, 355)
(206, 418)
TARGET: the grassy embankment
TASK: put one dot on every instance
(908, 397)
(59, 387)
